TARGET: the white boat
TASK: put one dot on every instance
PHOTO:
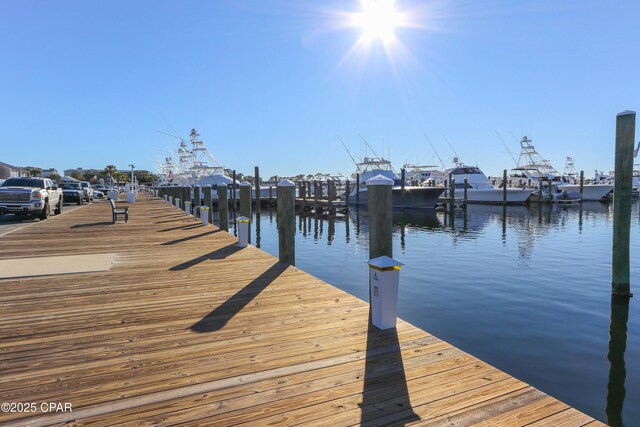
(533, 169)
(480, 189)
(570, 182)
(413, 197)
(419, 174)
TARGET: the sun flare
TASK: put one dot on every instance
(378, 19)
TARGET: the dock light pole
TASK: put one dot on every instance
(132, 166)
(131, 195)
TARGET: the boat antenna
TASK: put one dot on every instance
(349, 152)
(505, 146)
(516, 139)
(452, 149)
(168, 124)
(365, 141)
(168, 134)
(434, 150)
(376, 154)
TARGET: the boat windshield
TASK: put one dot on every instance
(466, 170)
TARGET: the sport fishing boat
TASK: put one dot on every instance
(413, 197)
(532, 169)
(480, 189)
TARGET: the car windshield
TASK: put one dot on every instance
(24, 182)
(70, 186)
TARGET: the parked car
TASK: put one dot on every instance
(98, 194)
(73, 192)
(88, 191)
(30, 196)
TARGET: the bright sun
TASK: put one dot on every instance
(378, 19)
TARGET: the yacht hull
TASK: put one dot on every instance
(494, 195)
(414, 197)
(589, 192)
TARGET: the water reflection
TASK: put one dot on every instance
(617, 371)
(505, 267)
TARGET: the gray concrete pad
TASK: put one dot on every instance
(53, 265)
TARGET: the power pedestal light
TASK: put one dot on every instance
(204, 213)
(243, 231)
(384, 278)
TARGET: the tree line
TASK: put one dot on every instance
(110, 171)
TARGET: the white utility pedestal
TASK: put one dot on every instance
(177, 202)
(384, 278)
(165, 198)
(187, 208)
(131, 197)
(204, 213)
(243, 231)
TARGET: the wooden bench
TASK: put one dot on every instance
(115, 212)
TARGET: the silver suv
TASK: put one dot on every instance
(87, 191)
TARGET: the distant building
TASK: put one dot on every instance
(46, 173)
(68, 172)
(9, 171)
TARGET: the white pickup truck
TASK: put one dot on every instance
(30, 196)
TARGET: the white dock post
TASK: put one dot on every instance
(187, 208)
(177, 202)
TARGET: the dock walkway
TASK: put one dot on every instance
(186, 328)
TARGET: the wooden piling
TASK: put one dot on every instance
(452, 189)
(234, 198)
(357, 190)
(330, 191)
(380, 217)
(223, 207)
(270, 195)
(286, 221)
(186, 197)
(625, 137)
(504, 187)
(465, 191)
(208, 201)
(257, 189)
(303, 193)
(403, 174)
(581, 184)
(245, 199)
(197, 201)
(346, 194)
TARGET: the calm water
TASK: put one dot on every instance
(527, 291)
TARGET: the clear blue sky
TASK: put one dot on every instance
(271, 83)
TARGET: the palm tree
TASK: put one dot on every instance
(111, 171)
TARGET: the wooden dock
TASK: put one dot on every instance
(185, 328)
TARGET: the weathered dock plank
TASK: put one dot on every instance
(186, 328)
